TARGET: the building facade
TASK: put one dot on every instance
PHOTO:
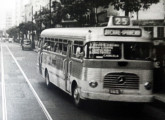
(9, 20)
(28, 12)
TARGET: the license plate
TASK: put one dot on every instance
(115, 91)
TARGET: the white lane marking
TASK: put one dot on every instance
(31, 87)
(4, 108)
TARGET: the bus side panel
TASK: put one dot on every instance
(57, 74)
(54, 65)
(76, 71)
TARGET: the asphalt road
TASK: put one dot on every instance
(24, 95)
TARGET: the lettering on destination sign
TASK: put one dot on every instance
(122, 32)
(104, 49)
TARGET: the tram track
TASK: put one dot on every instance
(4, 108)
(6, 100)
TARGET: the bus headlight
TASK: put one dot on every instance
(148, 85)
(93, 84)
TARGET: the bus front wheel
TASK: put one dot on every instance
(76, 98)
(47, 81)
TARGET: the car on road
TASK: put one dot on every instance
(10, 40)
(26, 44)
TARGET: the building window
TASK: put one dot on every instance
(160, 32)
(149, 30)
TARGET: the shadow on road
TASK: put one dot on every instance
(102, 109)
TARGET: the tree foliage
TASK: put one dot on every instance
(25, 27)
(58, 13)
(13, 32)
(78, 9)
(132, 5)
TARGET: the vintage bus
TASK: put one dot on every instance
(110, 63)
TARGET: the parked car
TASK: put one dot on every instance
(10, 40)
(26, 44)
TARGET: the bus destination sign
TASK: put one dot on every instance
(121, 20)
(132, 32)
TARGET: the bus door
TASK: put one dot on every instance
(40, 54)
(67, 67)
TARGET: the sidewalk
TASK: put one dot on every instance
(36, 48)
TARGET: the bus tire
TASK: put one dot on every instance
(76, 98)
(47, 81)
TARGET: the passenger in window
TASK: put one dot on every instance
(48, 48)
(45, 45)
(51, 47)
(79, 52)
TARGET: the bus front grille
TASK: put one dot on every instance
(121, 81)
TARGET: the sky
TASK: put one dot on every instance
(7, 6)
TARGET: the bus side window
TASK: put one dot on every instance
(64, 49)
(45, 46)
(52, 46)
(55, 45)
(58, 47)
(77, 47)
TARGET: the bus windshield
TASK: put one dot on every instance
(103, 50)
(113, 50)
(137, 51)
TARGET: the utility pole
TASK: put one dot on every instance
(40, 20)
(33, 43)
(96, 19)
(32, 27)
(50, 2)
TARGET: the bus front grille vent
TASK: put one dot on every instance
(121, 81)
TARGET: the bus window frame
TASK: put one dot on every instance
(52, 42)
(75, 46)
(64, 44)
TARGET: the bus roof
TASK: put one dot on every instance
(93, 34)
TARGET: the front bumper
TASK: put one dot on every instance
(120, 98)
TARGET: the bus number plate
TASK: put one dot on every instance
(115, 91)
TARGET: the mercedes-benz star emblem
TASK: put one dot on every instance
(121, 79)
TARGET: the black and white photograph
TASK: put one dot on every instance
(82, 59)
